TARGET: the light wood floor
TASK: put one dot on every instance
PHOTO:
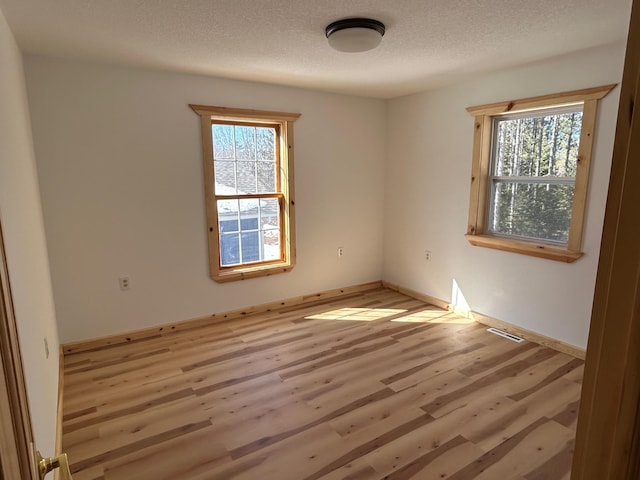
(368, 386)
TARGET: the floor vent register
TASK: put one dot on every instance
(508, 335)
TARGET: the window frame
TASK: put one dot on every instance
(283, 123)
(478, 233)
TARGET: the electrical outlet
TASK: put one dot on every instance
(125, 282)
(427, 255)
(340, 252)
(46, 347)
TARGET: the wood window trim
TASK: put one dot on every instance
(285, 120)
(477, 231)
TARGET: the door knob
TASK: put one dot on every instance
(45, 465)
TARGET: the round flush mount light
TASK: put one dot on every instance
(355, 34)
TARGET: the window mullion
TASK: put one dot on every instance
(533, 179)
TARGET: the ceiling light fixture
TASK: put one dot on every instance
(355, 34)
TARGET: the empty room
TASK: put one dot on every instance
(319, 240)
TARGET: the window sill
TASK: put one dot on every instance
(244, 273)
(525, 248)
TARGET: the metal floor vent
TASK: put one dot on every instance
(510, 336)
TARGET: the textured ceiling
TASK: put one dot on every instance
(428, 42)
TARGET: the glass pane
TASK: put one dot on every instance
(228, 211)
(545, 144)
(249, 223)
(229, 249)
(249, 207)
(269, 213)
(270, 223)
(534, 210)
(266, 177)
(247, 177)
(225, 177)
(245, 143)
(222, 142)
(266, 144)
(250, 247)
(228, 225)
(271, 243)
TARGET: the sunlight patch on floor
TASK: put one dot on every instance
(434, 316)
(371, 314)
(359, 314)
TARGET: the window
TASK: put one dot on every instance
(248, 168)
(530, 173)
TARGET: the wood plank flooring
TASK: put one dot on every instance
(374, 385)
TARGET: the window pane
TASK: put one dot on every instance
(266, 143)
(546, 144)
(250, 223)
(228, 223)
(271, 244)
(229, 249)
(223, 142)
(249, 207)
(245, 143)
(250, 247)
(534, 210)
(227, 226)
(247, 177)
(266, 177)
(270, 224)
(225, 177)
(269, 213)
(228, 212)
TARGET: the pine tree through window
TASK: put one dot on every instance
(249, 189)
(530, 173)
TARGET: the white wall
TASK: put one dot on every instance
(120, 167)
(427, 175)
(25, 245)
